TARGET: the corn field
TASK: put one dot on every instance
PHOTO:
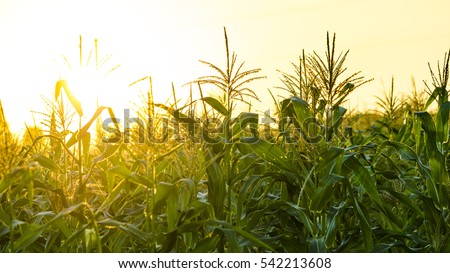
(199, 176)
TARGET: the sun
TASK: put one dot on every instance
(90, 79)
(85, 84)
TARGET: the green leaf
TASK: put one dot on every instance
(333, 219)
(216, 183)
(363, 177)
(63, 226)
(439, 94)
(21, 202)
(296, 107)
(244, 194)
(186, 192)
(338, 114)
(436, 159)
(112, 196)
(46, 162)
(364, 220)
(108, 151)
(35, 231)
(442, 122)
(216, 105)
(177, 114)
(32, 233)
(324, 192)
(232, 240)
(332, 161)
(125, 173)
(79, 233)
(317, 245)
(433, 216)
(222, 225)
(135, 232)
(163, 191)
(406, 200)
(244, 120)
(384, 247)
(207, 245)
(406, 153)
(271, 153)
(275, 208)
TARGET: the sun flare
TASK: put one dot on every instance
(91, 81)
(86, 84)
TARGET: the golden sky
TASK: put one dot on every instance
(165, 39)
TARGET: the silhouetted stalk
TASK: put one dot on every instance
(80, 165)
(203, 103)
(175, 105)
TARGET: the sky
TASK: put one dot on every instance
(166, 40)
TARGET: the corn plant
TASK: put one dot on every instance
(198, 176)
(392, 110)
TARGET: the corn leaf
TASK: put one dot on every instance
(108, 151)
(46, 162)
(75, 103)
(271, 153)
(365, 225)
(363, 177)
(324, 192)
(216, 105)
(98, 112)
